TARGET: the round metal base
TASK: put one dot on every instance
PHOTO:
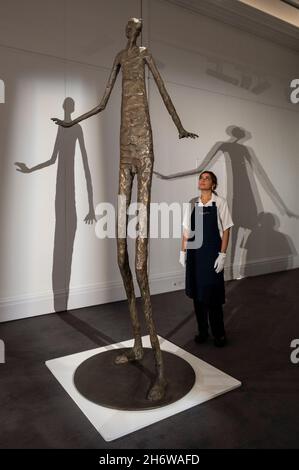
(125, 386)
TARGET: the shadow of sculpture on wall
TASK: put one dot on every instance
(245, 202)
(266, 242)
(65, 203)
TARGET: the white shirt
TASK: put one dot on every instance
(223, 213)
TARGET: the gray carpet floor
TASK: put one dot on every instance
(261, 319)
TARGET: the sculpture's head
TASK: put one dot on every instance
(133, 28)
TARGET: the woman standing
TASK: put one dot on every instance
(207, 217)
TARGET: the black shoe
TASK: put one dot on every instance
(220, 342)
(201, 338)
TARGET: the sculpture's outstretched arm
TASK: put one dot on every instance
(166, 98)
(110, 84)
(203, 166)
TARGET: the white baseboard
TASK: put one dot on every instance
(20, 307)
(16, 308)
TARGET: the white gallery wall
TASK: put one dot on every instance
(229, 86)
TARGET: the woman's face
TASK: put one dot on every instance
(205, 181)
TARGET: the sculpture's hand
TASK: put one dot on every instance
(90, 217)
(23, 168)
(62, 123)
(163, 177)
(183, 133)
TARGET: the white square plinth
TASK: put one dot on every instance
(113, 424)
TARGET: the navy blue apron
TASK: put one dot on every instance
(202, 281)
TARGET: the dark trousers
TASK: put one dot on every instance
(213, 313)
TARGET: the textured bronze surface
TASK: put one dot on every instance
(136, 158)
(101, 381)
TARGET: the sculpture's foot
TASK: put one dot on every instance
(133, 354)
(157, 391)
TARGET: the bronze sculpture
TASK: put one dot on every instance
(136, 157)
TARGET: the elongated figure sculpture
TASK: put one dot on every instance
(136, 157)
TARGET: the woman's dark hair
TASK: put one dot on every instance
(214, 180)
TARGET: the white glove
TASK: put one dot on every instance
(183, 258)
(219, 263)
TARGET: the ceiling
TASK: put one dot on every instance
(271, 19)
(281, 9)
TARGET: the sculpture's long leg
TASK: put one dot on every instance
(126, 177)
(144, 196)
